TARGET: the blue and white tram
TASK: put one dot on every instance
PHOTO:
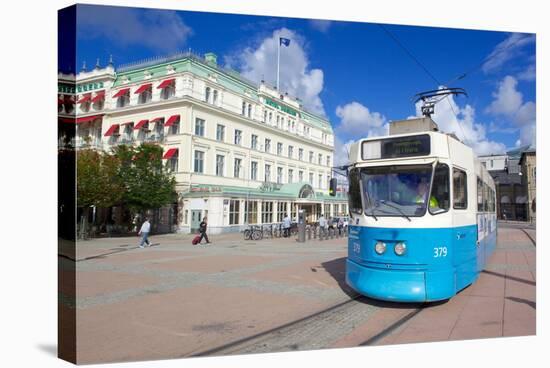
(423, 221)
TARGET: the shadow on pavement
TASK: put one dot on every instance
(524, 301)
(48, 348)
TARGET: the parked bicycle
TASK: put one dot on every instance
(253, 233)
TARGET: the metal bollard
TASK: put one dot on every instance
(309, 233)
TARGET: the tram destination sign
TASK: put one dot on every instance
(418, 145)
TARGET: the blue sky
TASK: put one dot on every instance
(355, 74)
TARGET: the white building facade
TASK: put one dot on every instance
(241, 153)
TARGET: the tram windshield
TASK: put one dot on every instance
(398, 190)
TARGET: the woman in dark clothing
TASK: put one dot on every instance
(202, 230)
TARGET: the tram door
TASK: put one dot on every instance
(195, 220)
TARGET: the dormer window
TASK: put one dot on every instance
(84, 102)
(98, 102)
(123, 97)
(145, 93)
(168, 89)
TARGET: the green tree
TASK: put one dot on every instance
(97, 180)
(148, 182)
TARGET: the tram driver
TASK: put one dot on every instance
(422, 195)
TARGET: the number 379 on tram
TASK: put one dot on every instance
(422, 217)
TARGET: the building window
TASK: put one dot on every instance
(199, 162)
(301, 154)
(249, 110)
(253, 170)
(145, 96)
(254, 142)
(251, 213)
(199, 127)
(220, 133)
(281, 211)
(267, 212)
(460, 198)
(215, 97)
(174, 128)
(279, 149)
(290, 151)
(159, 130)
(270, 117)
(320, 181)
(128, 133)
(220, 163)
(311, 156)
(173, 163)
(243, 111)
(168, 92)
(279, 175)
(267, 145)
(238, 137)
(234, 211)
(207, 94)
(265, 116)
(267, 173)
(320, 159)
(328, 181)
(122, 101)
(311, 179)
(237, 168)
(290, 175)
(300, 176)
(328, 161)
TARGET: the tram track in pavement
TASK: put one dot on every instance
(530, 237)
(316, 331)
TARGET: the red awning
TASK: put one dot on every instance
(171, 152)
(83, 119)
(166, 83)
(141, 124)
(85, 98)
(121, 92)
(171, 120)
(156, 120)
(143, 88)
(113, 129)
(98, 96)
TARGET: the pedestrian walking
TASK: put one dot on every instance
(340, 225)
(322, 224)
(202, 230)
(286, 226)
(144, 232)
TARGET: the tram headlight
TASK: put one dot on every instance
(380, 247)
(400, 248)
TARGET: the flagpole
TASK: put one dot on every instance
(278, 60)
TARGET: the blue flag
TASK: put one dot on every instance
(284, 41)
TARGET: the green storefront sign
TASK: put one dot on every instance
(283, 108)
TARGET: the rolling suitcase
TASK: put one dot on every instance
(196, 240)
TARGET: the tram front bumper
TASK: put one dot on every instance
(398, 286)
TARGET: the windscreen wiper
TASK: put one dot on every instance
(397, 208)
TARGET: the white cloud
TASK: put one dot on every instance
(529, 74)
(508, 102)
(159, 30)
(320, 25)
(463, 125)
(507, 99)
(296, 77)
(358, 121)
(341, 151)
(506, 50)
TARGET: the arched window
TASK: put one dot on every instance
(249, 110)
(207, 94)
(215, 97)
(243, 112)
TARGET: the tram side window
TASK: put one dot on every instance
(439, 198)
(479, 195)
(460, 193)
(485, 197)
(354, 195)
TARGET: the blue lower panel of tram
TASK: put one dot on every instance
(436, 265)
